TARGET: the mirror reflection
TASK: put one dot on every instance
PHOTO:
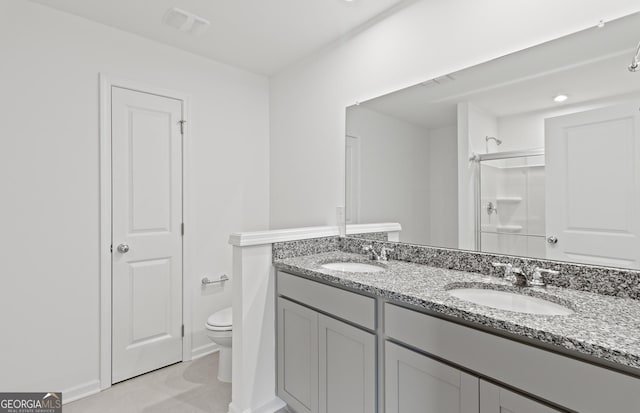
(534, 154)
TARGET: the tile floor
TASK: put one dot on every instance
(189, 387)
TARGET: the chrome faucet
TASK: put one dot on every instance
(383, 256)
(514, 275)
(372, 253)
(384, 253)
(518, 278)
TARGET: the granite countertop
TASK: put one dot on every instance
(601, 326)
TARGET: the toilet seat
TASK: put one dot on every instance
(216, 328)
(220, 320)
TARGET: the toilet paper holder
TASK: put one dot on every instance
(206, 281)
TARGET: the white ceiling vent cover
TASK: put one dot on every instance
(185, 21)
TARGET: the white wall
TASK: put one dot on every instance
(526, 130)
(443, 186)
(474, 125)
(425, 40)
(49, 293)
(394, 172)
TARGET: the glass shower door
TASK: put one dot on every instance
(512, 206)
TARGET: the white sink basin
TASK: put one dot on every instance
(352, 267)
(509, 301)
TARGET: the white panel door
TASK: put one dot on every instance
(416, 383)
(147, 218)
(495, 399)
(593, 186)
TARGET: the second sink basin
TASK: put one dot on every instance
(352, 267)
(505, 300)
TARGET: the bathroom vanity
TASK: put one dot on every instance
(397, 341)
(481, 167)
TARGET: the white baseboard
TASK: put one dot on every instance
(80, 391)
(273, 406)
(205, 350)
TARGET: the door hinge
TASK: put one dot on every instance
(111, 248)
(183, 330)
(182, 229)
(182, 122)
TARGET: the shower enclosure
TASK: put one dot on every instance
(510, 203)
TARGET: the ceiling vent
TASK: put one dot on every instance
(185, 21)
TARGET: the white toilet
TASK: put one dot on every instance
(219, 329)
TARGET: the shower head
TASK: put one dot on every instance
(488, 138)
(635, 62)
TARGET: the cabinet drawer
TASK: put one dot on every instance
(559, 379)
(343, 304)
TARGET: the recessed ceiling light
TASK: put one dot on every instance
(560, 98)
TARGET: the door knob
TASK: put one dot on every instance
(123, 248)
(552, 240)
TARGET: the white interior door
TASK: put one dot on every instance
(146, 232)
(593, 186)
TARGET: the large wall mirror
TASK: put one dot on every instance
(533, 154)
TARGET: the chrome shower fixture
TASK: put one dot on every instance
(491, 138)
(492, 208)
(488, 138)
(635, 63)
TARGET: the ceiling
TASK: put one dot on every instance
(588, 66)
(258, 35)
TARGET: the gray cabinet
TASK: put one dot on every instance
(545, 375)
(297, 356)
(324, 365)
(496, 399)
(417, 383)
(347, 370)
(328, 353)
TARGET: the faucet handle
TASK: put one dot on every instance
(541, 270)
(384, 253)
(537, 276)
(372, 252)
(507, 267)
(511, 273)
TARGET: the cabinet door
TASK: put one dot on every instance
(347, 361)
(298, 356)
(416, 383)
(495, 399)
